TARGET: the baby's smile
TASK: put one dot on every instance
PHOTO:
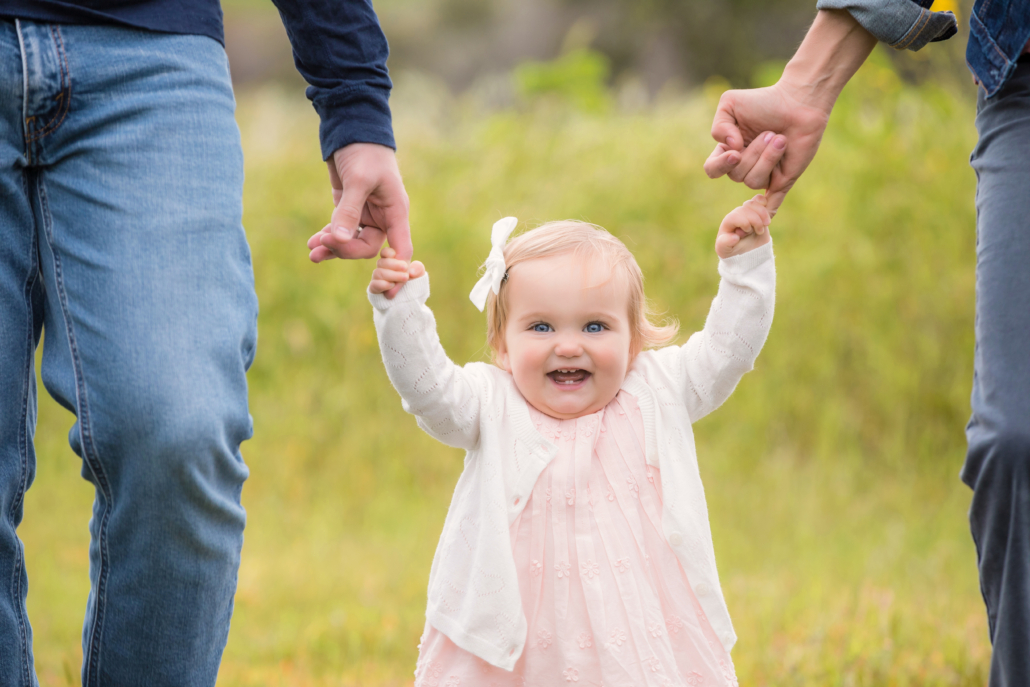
(569, 377)
(567, 339)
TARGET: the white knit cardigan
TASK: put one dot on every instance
(473, 586)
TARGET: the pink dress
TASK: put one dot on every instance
(606, 600)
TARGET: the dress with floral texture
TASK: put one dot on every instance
(606, 600)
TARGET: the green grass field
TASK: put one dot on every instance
(831, 474)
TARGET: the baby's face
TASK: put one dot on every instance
(567, 339)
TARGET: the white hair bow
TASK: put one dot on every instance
(494, 265)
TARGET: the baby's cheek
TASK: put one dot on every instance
(527, 371)
(614, 366)
(615, 358)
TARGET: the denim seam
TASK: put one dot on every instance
(24, 92)
(985, 7)
(64, 94)
(917, 29)
(23, 451)
(89, 453)
(979, 29)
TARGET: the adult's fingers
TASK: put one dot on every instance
(751, 155)
(315, 240)
(320, 254)
(721, 161)
(398, 231)
(365, 245)
(760, 175)
(779, 186)
(724, 125)
(372, 196)
(383, 209)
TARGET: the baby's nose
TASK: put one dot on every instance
(568, 347)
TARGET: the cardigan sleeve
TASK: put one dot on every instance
(706, 369)
(445, 398)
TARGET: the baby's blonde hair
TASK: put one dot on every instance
(583, 240)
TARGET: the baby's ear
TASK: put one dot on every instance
(635, 348)
(501, 356)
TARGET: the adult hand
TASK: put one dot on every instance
(767, 138)
(371, 206)
(796, 108)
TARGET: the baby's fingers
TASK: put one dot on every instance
(380, 286)
(393, 275)
(758, 213)
(416, 270)
(392, 264)
(389, 264)
(737, 218)
(725, 243)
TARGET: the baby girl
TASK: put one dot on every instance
(577, 547)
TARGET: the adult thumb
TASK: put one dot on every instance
(347, 215)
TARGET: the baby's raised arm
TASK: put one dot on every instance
(443, 396)
(706, 369)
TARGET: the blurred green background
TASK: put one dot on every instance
(831, 473)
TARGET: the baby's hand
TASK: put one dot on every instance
(744, 229)
(391, 272)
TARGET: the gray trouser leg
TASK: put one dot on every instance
(997, 465)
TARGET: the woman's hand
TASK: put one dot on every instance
(795, 110)
(744, 229)
(391, 273)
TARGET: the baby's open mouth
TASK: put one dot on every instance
(568, 376)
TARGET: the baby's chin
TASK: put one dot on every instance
(569, 410)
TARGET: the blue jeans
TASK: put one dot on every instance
(998, 462)
(121, 177)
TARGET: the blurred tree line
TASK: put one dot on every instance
(657, 43)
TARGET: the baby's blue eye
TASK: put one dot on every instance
(594, 328)
(541, 327)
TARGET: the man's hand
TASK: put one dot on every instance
(371, 206)
(744, 229)
(391, 273)
(767, 138)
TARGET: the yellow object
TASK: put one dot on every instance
(946, 6)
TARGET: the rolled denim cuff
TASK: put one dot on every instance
(901, 24)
